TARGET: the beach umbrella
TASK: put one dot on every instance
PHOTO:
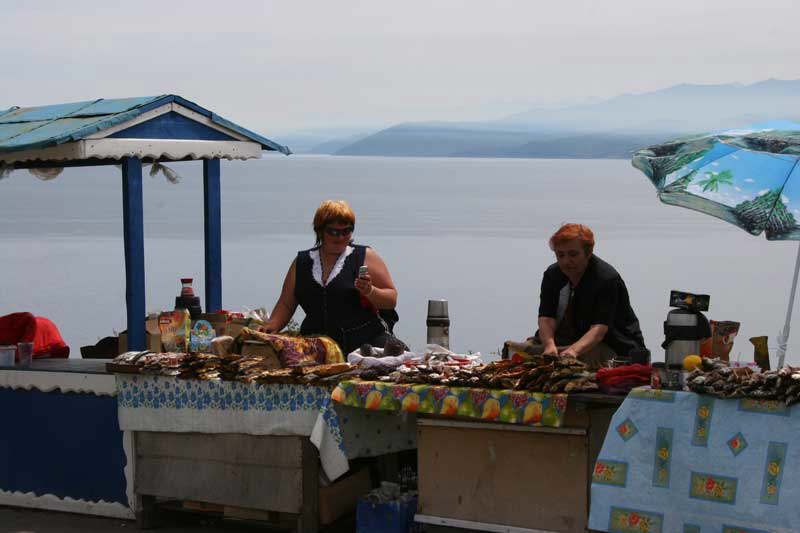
(749, 177)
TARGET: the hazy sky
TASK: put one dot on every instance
(275, 66)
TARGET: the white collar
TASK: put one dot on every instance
(316, 267)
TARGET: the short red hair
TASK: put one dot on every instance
(332, 211)
(573, 232)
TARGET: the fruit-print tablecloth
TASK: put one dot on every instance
(167, 404)
(689, 463)
(513, 407)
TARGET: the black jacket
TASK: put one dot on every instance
(601, 297)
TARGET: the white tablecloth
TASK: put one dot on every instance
(158, 403)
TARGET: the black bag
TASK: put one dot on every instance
(390, 318)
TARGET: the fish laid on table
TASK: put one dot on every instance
(716, 378)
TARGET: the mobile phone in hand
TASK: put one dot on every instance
(363, 271)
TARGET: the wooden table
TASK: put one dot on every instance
(512, 478)
(278, 474)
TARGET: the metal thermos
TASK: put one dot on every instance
(680, 348)
(438, 323)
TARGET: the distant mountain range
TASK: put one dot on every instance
(611, 128)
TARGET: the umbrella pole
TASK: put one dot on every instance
(783, 338)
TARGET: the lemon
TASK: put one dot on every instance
(690, 362)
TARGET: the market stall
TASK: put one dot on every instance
(495, 452)
(165, 404)
(130, 132)
(720, 460)
(248, 432)
(62, 445)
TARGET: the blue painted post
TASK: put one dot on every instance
(213, 234)
(133, 229)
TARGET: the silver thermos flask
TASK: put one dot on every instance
(438, 323)
(681, 347)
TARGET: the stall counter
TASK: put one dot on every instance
(503, 477)
(680, 461)
(62, 446)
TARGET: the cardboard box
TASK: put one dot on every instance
(235, 326)
(152, 336)
(264, 350)
(341, 497)
(152, 342)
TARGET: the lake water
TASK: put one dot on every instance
(472, 231)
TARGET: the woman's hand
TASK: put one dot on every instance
(550, 348)
(269, 327)
(569, 352)
(364, 285)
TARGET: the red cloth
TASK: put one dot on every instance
(24, 327)
(624, 374)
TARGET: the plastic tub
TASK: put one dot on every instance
(7, 354)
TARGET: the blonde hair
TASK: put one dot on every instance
(331, 211)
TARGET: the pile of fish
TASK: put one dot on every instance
(233, 367)
(541, 374)
(436, 367)
(203, 366)
(304, 374)
(433, 374)
(546, 374)
(716, 378)
(165, 364)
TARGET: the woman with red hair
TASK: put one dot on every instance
(351, 307)
(584, 308)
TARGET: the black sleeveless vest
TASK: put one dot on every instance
(335, 310)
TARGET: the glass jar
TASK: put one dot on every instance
(658, 376)
(186, 287)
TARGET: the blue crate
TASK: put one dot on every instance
(390, 517)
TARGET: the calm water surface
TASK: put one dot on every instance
(472, 231)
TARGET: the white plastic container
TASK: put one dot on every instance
(7, 354)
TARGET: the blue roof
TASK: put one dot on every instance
(30, 128)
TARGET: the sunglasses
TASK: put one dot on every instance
(339, 232)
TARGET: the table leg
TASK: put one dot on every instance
(308, 521)
(145, 511)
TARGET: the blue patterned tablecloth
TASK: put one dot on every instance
(689, 463)
(158, 403)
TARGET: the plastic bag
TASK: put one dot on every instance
(355, 358)
(434, 352)
(257, 316)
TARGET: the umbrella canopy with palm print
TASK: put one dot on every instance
(749, 177)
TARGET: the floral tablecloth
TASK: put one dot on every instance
(158, 403)
(513, 407)
(689, 463)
